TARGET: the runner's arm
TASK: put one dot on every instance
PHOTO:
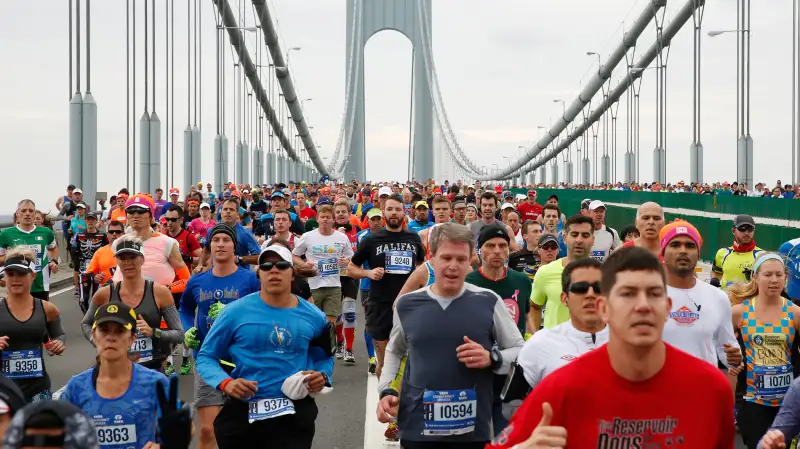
(415, 281)
(100, 297)
(395, 350)
(215, 348)
(724, 334)
(188, 307)
(54, 329)
(506, 334)
(253, 250)
(716, 266)
(788, 419)
(174, 332)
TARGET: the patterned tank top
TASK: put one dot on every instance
(768, 355)
(431, 275)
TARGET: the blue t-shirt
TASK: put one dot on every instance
(790, 251)
(243, 215)
(267, 344)
(365, 282)
(415, 226)
(246, 243)
(128, 421)
(205, 289)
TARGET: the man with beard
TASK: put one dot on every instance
(734, 264)
(649, 221)
(392, 254)
(488, 209)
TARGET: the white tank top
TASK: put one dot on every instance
(156, 260)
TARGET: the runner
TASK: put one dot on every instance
(247, 248)
(605, 239)
(649, 222)
(420, 221)
(527, 256)
(513, 287)
(553, 223)
(40, 240)
(548, 288)
(440, 386)
(375, 219)
(459, 211)
(11, 401)
(278, 202)
(441, 214)
(346, 323)
(86, 245)
(199, 227)
(27, 321)
(392, 254)
(279, 343)
(734, 264)
(103, 264)
(530, 209)
(282, 222)
(151, 302)
(119, 396)
(634, 376)
(768, 328)
(206, 295)
(706, 334)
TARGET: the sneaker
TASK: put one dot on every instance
(349, 357)
(77, 292)
(339, 351)
(392, 432)
(169, 370)
(373, 365)
(186, 366)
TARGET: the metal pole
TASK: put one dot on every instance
(166, 95)
(127, 90)
(411, 156)
(69, 9)
(88, 48)
(133, 96)
(171, 180)
(77, 45)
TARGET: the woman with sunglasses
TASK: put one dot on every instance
(282, 347)
(733, 264)
(151, 302)
(767, 325)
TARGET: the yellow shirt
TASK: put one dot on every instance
(734, 267)
(547, 293)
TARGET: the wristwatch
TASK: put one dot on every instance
(497, 358)
(157, 333)
(389, 392)
(327, 381)
(239, 260)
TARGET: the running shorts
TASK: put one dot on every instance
(349, 287)
(329, 300)
(379, 319)
(205, 395)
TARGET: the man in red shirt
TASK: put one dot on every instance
(636, 391)
(302, 208)
(529, 209)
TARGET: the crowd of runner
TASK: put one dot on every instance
(491, 320)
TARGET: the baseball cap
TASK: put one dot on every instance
(127, 246)
(174, 191)
(498, 189)
(490, 232)
(81, 205)
(374, 212)
(71, 187)
(419, 204)
(205, 206)
(506, 206)
(277, 249)
(531, 192)
(18, 264)
(278, 194)
(554, 197)
(79, 432)
(115, 312)
(743, 219)
(585, 203)
(547, 238)
(11, 397)
(91, 215)
(596, 204)
(384, 191)
(78, 191)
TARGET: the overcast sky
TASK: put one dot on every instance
(500, 65)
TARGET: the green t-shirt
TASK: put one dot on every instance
(515, 289)
(38, 240)
(547, 293)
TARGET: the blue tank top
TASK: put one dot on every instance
(128, 421)
(431, 275)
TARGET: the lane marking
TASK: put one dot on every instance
(373, 429)
(63, 290)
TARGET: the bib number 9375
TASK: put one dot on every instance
(260, 409)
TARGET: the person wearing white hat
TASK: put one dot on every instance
(606, 239)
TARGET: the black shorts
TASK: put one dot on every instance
(283, 432)
(349, 287)
(43, 295)
(379, 319)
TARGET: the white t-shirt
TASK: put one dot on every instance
(700, 322)
(550, 349)
(324, 251)
(605, 240)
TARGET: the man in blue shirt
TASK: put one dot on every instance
(247, 248)
(282, 347)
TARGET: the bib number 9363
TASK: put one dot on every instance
(114, 435)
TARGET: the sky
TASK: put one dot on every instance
(500, 65)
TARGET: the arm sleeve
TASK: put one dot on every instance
(174, 331)
(55, 330)
(88, 320)
(395, 351)
(507, 336)
(214, 349)
(530, 357)
(788, 419)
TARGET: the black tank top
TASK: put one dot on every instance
(149, 348)
(23, 359)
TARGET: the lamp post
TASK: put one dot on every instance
(288, 53)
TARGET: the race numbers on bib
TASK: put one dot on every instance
(399, 262)
(598, 255)
(144, 346)
(449, 412)
(23, 364)
(261, 409)
(116, 436)
(328, 267)
(772, 372)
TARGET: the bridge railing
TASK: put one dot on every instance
(778, 220)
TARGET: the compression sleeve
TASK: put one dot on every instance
(183, 277)
(215, 348)
(55, 330)
(395, 351)
(88, 320)
(507, 336)
(174, 332)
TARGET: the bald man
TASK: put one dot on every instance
(649, 221)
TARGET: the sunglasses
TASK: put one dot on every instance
(136, 211)
(581, 288)
(171, 220)
(745, 228)
(282, 265)
(114, 231)
(550, 247)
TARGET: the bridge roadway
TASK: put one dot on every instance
(346, 417)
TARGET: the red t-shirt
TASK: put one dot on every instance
(307, 213)
(688, 404)
(529, 211)
(631, 243)
(187, 242)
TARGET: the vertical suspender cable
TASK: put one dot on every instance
(77, 45)
(88, 47)
(127, 91)
(411, 156)
(172, 91)
(195, 65)
(188, 63)
(166, 85)
(133, 98)
(218, 78)
(70, 49)
(154, 54)
(146, 56)
(199, 61)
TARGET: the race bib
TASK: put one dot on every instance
(116, 436)
(144, 346)
(598, 255)
(772, 373)
(449, 412)
(399, 262)
(23, 364)
(328, 267)
(261, 409)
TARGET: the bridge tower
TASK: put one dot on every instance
(403, 16)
